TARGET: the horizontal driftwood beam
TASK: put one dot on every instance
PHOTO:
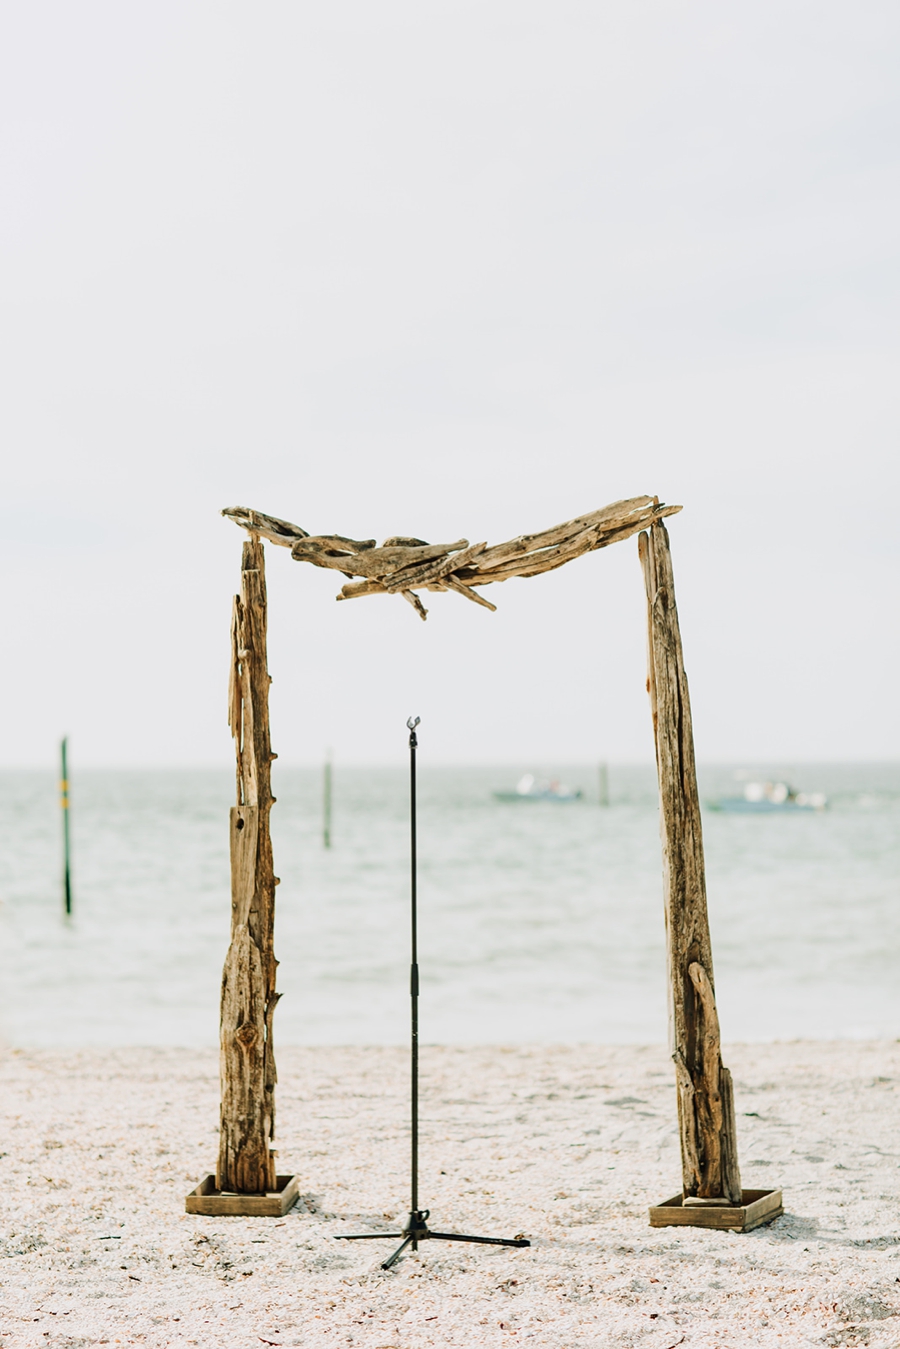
(404, 564)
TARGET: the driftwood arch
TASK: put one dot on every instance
(406, 566)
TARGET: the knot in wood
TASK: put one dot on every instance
(246, 1035)
(698, 976)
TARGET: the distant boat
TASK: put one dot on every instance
(528, 788)
(766, 798)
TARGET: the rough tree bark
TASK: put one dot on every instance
(246, 1162)
(705, 1096)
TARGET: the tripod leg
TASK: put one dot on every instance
(366, 1236)
(481, 1241)
(392, 1259)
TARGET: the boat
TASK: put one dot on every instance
(766, 798)
(530, 788)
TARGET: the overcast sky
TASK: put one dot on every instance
(449, 269)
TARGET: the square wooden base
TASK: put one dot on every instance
(207, 1199)
(757, 1207)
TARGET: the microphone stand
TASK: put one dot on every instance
(417, 1228)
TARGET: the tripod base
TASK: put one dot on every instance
(417, 1230)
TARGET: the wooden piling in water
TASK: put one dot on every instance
(326, 802)
(603, 784)
(67, 845)
(246, 1163)
(705, 1096)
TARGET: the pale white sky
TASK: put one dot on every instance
(449, 269)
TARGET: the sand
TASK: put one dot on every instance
(568, 1145)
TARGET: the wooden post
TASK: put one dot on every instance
(326, 802)
(246, 1162)
(603, 784)
(67, 851)
(705, 1097)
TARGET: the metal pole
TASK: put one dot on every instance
(417, 1228)
(326, 802)
(414, 973)
(64, 802)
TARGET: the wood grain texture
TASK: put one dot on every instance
(704, 1089)
(246, 1163)
(454, 583)
(208, 1199)
(409, 577)
(405, 564)
(754, 1208)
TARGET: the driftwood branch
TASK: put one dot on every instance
(454, 583)
(403, 565)
(416, 603)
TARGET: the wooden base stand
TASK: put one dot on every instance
(207, 1199)
(756, 1207)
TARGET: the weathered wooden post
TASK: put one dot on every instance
(245, 1179)
(67, 849)
(326, 802)
(712, 1194)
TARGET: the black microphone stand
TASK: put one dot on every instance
(417, 1228)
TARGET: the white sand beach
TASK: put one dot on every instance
(567, 1145)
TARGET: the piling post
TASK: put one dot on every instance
(705, 1095)
(246, 1163)
(326, 801)
(67, 845)
(603, 784)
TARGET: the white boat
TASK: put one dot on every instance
(764, 798)
(529, 788)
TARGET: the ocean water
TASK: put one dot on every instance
(538, 922)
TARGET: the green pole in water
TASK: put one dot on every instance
(604, 785)
(326, 802)
(64, 802)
